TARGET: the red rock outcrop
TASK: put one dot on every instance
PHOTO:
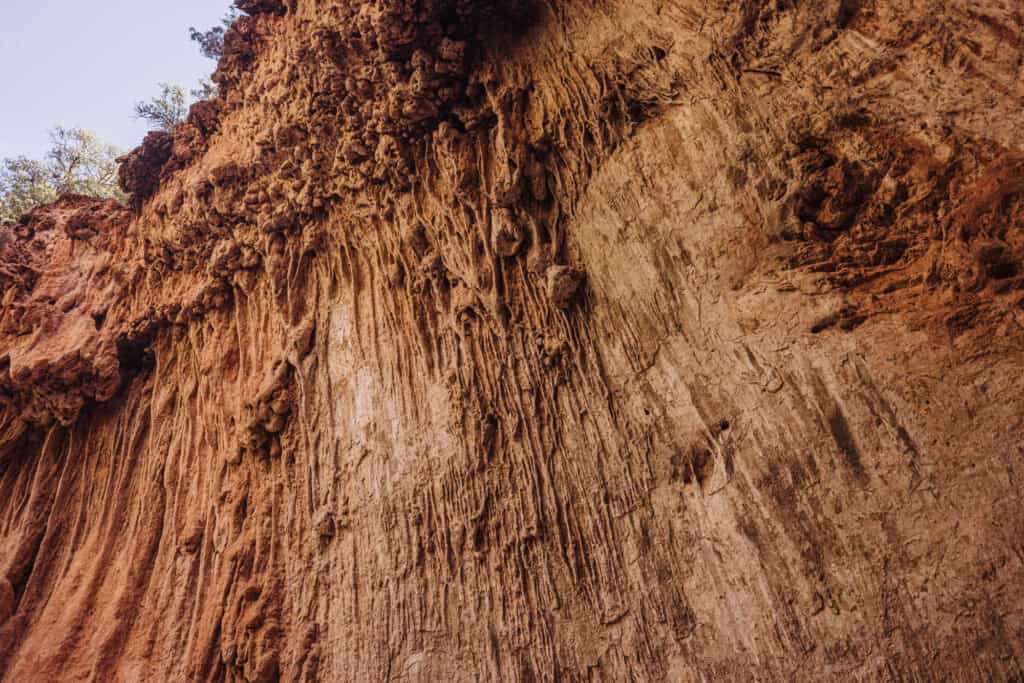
(535, 341)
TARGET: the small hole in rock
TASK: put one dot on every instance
(1003, 270)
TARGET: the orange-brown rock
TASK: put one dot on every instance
(536, 341)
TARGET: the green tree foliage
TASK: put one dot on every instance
(77, 162)
(211, 41)
(206, 90)
(165, 111)
(168, 109)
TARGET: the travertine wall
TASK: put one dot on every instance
(659, 340)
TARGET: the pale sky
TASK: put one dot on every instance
(84, 63)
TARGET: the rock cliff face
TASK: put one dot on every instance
(465, 340)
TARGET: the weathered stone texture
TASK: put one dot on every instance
(648, 340)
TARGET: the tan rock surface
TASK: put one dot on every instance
(652, 340)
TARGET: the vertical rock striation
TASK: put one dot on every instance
(535, 340)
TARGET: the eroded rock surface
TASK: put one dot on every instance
(651, 340)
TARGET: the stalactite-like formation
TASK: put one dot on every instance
(535, 340)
